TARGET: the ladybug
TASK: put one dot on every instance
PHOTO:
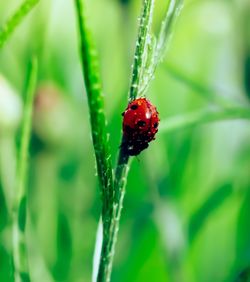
(140, 124)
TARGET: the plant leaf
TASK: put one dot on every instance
(203, 116)
(172, 13)
(96, 108)
(13, 22)
(214, 201)
(20, 249)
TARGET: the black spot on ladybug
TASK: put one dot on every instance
(141, 123)
(134, 107)
(156, 124)
(123, 113)
(129, 129)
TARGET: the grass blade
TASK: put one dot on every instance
(211, 204)
(173, 11)
(19, 221)
(203, 116)
(96, 108)
(99, 134)
(13, 22)
(203, 90)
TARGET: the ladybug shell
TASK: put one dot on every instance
(140, 124)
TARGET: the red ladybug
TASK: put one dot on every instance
(140, 124)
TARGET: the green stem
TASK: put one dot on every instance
(109, 241)
(140, 50)
(122, 167)
(19, 218)
(15, 20)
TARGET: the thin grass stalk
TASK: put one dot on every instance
(172, 13)
(13, 22)
(106, 262)
(99, 133)
(142, 42)
(158, 45)
(20, 205)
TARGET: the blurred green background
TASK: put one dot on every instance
(187, 204)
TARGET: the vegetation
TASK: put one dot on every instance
(186, 205)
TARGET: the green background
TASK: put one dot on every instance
(187, 204)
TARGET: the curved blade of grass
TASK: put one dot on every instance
(13, 22)
(199, 88)
(19, 220)
(96, 109)
(203, 116)
(172, 12)
(99, 134)
(211, 204)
